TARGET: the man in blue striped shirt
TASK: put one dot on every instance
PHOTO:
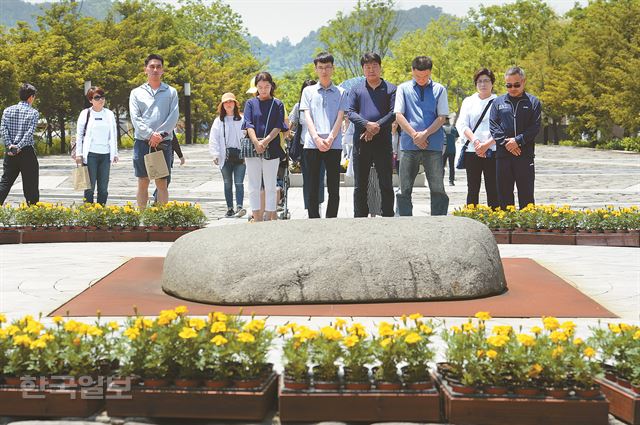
(17, 128)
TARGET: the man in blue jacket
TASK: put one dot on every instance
(514, 123)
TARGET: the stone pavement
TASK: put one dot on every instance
(54, 273)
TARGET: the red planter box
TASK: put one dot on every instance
(608, 239)
(546, 238)
(40, 236)
(359, 406)
(117, 236)
(501, 236)
(9, 237)
(50, 404)
(624, 404)
(468, 410)
(197, 403)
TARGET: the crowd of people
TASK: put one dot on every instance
(381, 127)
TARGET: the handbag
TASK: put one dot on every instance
(84, 133)
(248, 150)
(460, 165)
(295, 146)
(156, 165)
(80, 178)
(233, 155)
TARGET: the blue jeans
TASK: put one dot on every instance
(99, 165)
(409, 167)
(233, 174)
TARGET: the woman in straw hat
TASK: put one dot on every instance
(224, 146)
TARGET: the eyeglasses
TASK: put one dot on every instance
(514, 85)
(484, 81)
(324, 68)
(98, 97)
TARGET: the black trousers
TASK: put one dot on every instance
(379, 155)
(477, 167)
(331, 160)
(451, 158)
(25, 163)
(519, 170)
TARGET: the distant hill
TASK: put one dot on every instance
(282, 56)
(12, 11)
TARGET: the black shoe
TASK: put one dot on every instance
(452, 184)
(230, 213)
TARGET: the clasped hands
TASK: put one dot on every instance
(261, 145)
(324, 144)
(371, 129)
(420, 139)
(155, 139)
(512, 146)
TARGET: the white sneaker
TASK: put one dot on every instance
(240, 212)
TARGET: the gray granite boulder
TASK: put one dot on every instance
(336, 261)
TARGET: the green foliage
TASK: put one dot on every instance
(630, 144)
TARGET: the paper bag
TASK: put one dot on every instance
(80, 177)
(156, 165)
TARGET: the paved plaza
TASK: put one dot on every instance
(38, 278)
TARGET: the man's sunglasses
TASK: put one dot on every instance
(98, 97)
(515, 85)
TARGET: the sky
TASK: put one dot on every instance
(273, 20)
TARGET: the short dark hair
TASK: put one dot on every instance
(93, 91)
(265, 76)
(515, 70)
(484, 71)
(305, 84)
(26, 91)
(323, 57)
(153, 56)
(370, 58)
(422, 63)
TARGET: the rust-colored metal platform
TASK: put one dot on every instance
(533, 292)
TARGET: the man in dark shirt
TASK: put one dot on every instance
(17, 128)
(371, 111)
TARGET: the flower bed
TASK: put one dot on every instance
(45, 222)
(552, 225)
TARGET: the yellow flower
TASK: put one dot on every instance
(400, 332)
(142, 322)
(625, 327)
(557, 336)
(415, 316)
(385, 342)
(132, 333)
(480, 353)
(526, 340)
(535, 370)
(34, 328)
(3, 318)
(351, 340)
(197, 323)
(218, 327)
(504, 330)
(245, 337)
(47, 337)
(12, 330)
(219, 340)
(468, 327)
(255, 325)
(498, 340)
(114, 326)
(536, 330)
(557, 351)
(340, 323)
(94, 331)
(304, 333)
(568, 327)
(57, 319)
(636, 335)
(358, 330)
(578, 341)
(589, 352)
(412, 338)
(166, 317)
(614, 328)
(492, 354)
(38, 344)
(330, 333)
(456, 329)
(153, 337)
(181, 310)
(385, 329)
(187, 333)
(23, 340)
(426, 329)
(483, 315)
(550, 323)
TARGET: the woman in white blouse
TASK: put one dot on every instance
(97, 144)
(224, 146)
(480, 156)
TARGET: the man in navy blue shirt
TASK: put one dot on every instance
(371, 111)
(17, 128)
(514, 122)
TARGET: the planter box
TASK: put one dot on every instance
(359, 406)
(40, 236)
(197, 403)
(546, 238)
(117, 236)
(9, 237)
(165, 235)
(463, 409)
(624, 404)
(45, 403)
(502, 237)
(608, 239)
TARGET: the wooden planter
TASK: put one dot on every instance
(546, 238)
(624, 403)
(194, 403)
(359, 406)
(608, 239)
(49, 403)
(463, 409)
(89, 235)
(502, 236)
(117, 236)
(624, 239)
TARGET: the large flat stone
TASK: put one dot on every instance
(336, 261)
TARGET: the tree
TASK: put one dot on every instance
(370, 27)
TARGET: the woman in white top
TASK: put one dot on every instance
(480, 158)
(224, 146)
(97, 144)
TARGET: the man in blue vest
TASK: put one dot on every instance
(421, 109)
(514, 122)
